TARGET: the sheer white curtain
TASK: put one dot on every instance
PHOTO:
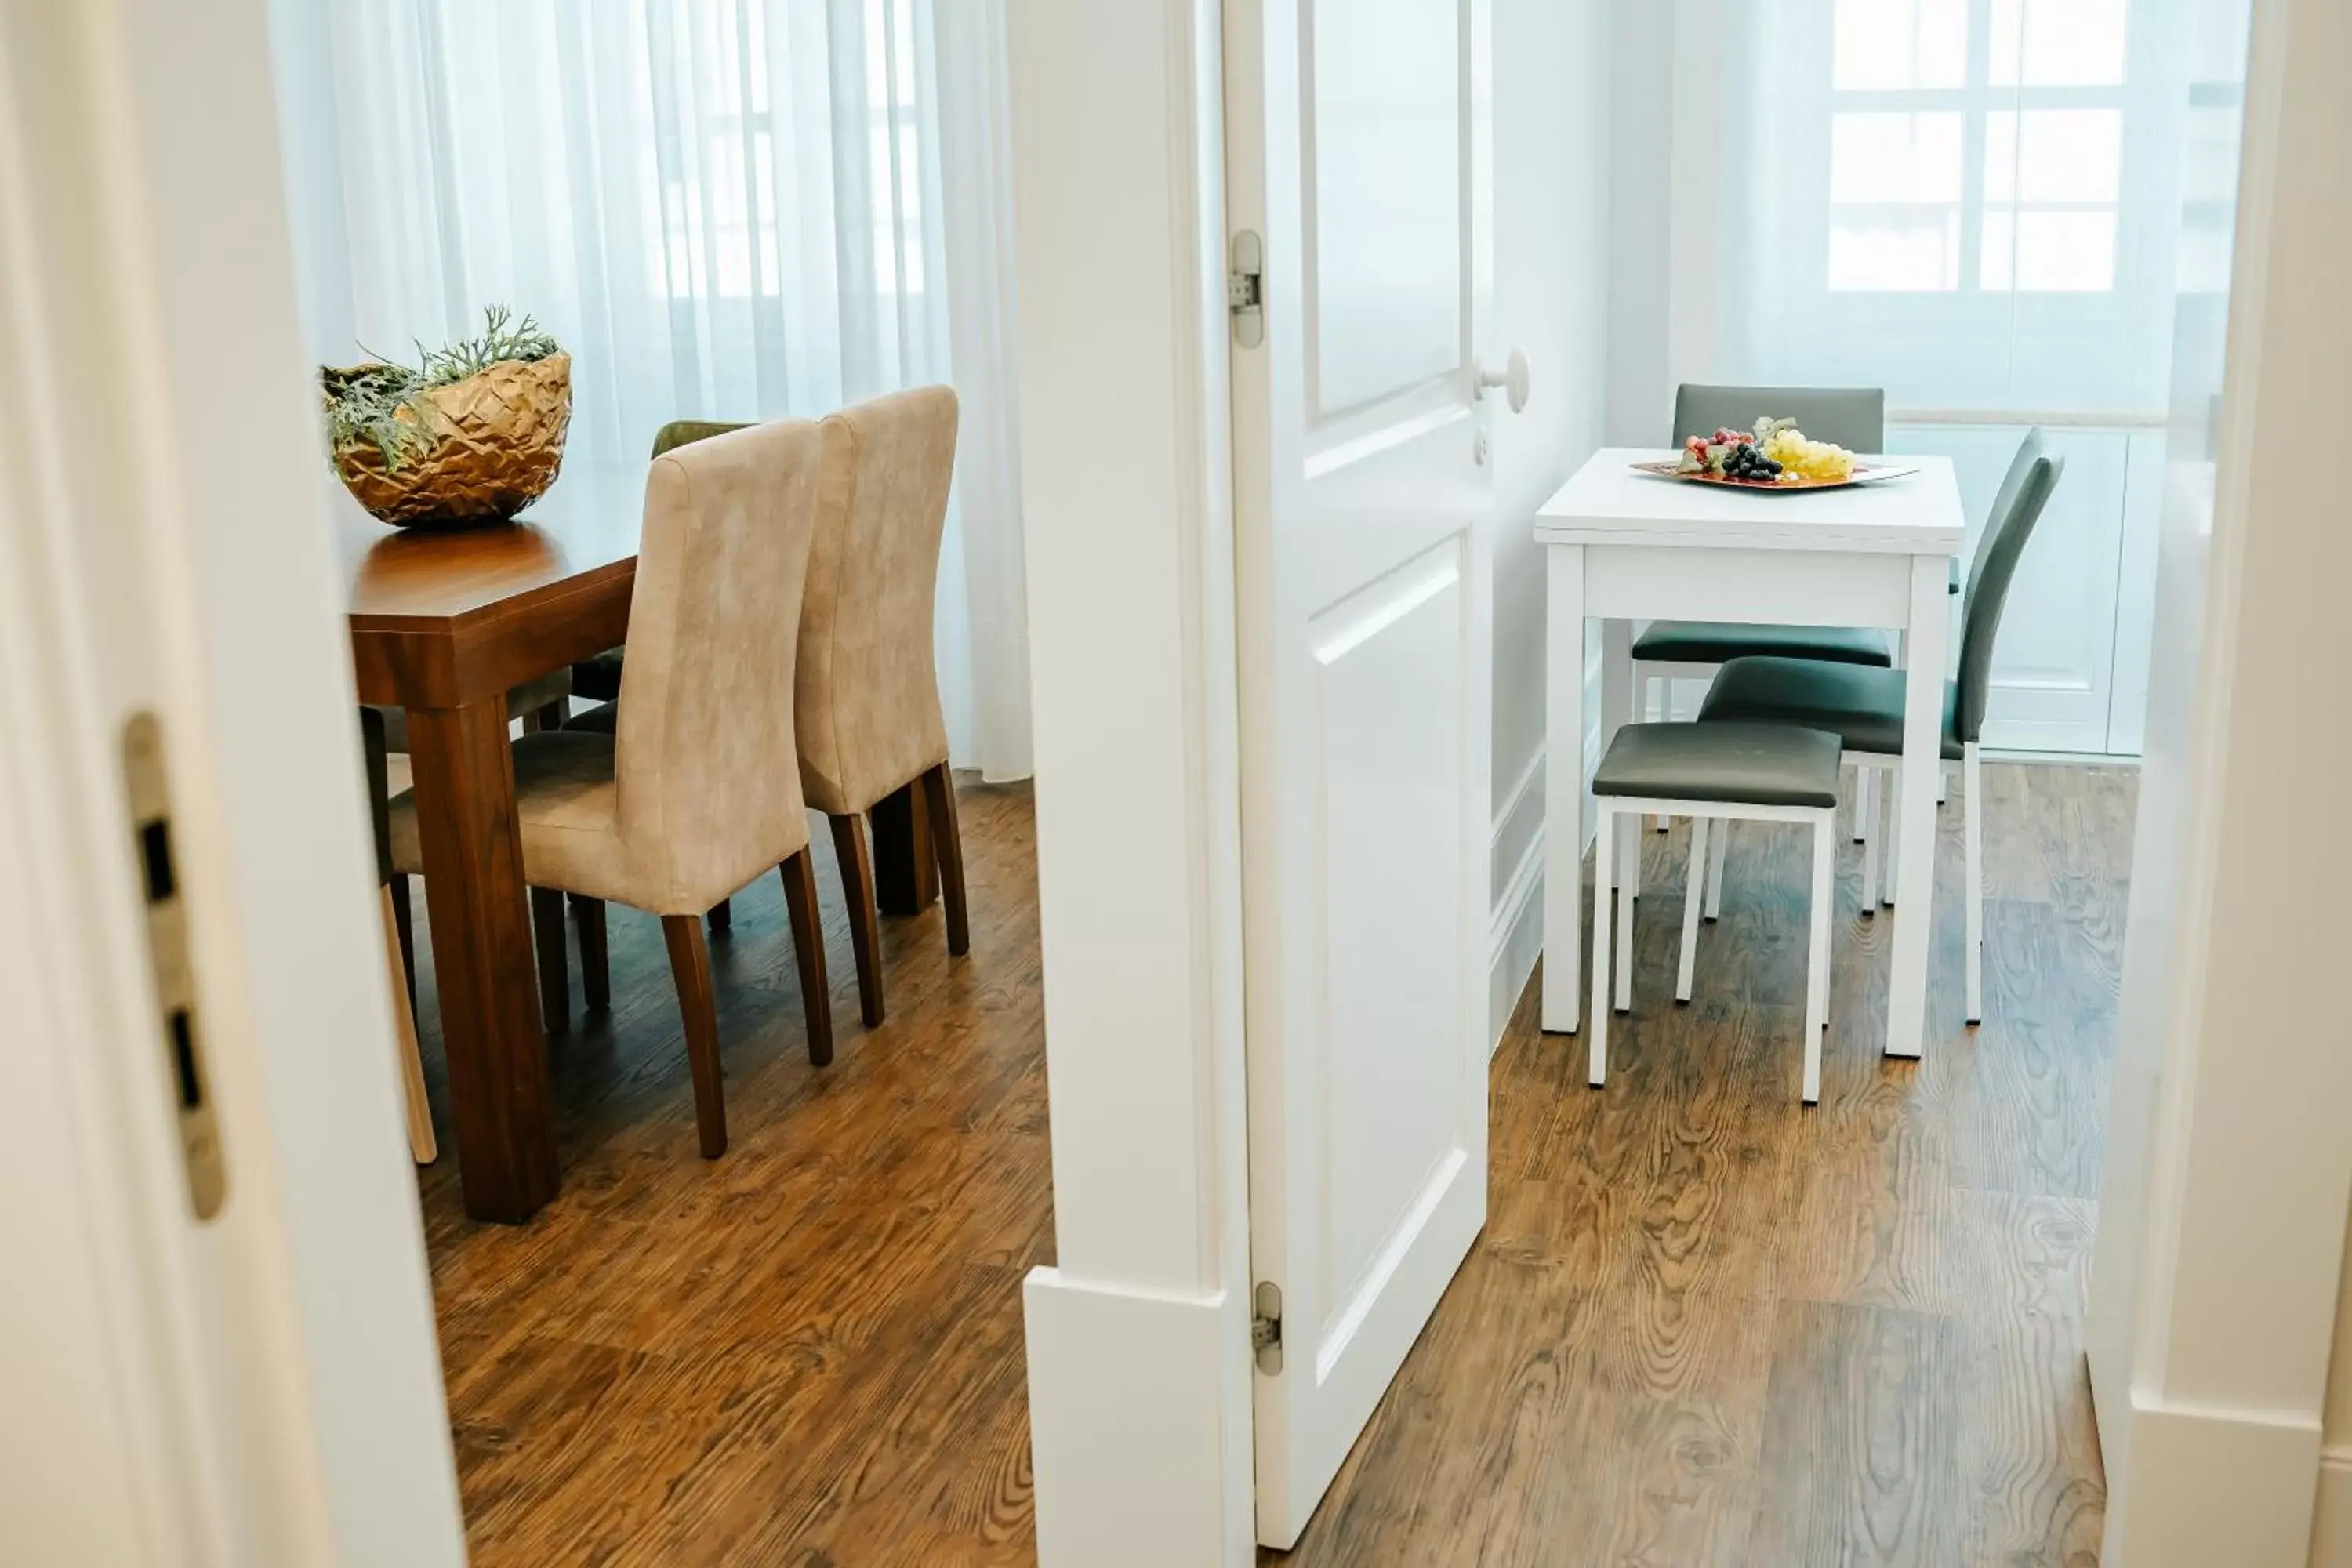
(1972, 202)
(726, 209)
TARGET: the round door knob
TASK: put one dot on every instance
(1512, 378)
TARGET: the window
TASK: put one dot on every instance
(1968, 202)
(1975, 143)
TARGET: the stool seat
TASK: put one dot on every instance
(1754, 764)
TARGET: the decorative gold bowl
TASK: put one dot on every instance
(498, 441)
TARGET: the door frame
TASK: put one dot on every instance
(264, 1387)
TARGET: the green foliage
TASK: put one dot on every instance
(383, 404)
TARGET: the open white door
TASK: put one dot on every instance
(1356, 148)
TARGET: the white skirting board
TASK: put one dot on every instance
(1514, 937)
(2214, 1485)
(1132, 1464)
(2331, 1515)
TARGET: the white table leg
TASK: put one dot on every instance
(1616, 713)
(1563, 786)
(1913, 842)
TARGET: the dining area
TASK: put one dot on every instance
(697, 653)
(1817, 602)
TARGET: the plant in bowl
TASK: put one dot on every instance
(472, 433)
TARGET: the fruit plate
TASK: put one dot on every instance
(1864, 474)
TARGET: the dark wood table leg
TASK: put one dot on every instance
(482, 963)
(906, 869)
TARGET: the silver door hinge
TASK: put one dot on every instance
(1244, 289)
(146, 780)
(1265, 1328)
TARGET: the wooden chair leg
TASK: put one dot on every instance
(906, 874)
(722, 917)
(596, 961)
(799, 875)
(947, 843)
(865, 929)
(689, 966)
(554, 971)
(421, 1147)
(404, 921)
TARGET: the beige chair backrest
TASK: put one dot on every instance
(708, 792)
(868, 696)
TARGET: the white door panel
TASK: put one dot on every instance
(1353, 146)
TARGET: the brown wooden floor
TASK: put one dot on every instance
(1702, 1326)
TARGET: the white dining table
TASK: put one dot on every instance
(1621, 545)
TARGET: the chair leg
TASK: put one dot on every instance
(1658, 705)
(1718, 847)
(422, 1148)
(865, 929)
(1694, 887)
(404, 921)
(1865, 790)
(1817, 957)
(1943, 784)
(947, 843)
(549, 716)
(1973, 808)
(554, 971)
(1629, 869)
(1891, 820)
(595, 963)
(1625, 925)
(1596, 1026)
(722, 917)
(689, 966)
(1871, 842)
(799, 875)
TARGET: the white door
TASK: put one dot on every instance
(1356, 148)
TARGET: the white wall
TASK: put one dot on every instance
(2216, 1288)
(1551, 135)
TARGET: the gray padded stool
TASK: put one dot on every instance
(1710, 773)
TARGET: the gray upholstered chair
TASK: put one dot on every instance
(694, 791)
(1852, 416)
(1710, 773)
(1863, 707)
(867, 702)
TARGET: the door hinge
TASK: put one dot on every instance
(146, 783)
(1265, 1328)
(1244, 289)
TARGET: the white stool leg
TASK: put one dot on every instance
(1972, 807)
(1629, 855)
(1865, 790)
(1718, 846)
(1943, 784)
(1891, 820)
(1596, 1027)
(1693, 885)
(1817, 967)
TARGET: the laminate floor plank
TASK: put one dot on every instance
(1703, 1325)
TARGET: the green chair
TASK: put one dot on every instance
(1863, 706)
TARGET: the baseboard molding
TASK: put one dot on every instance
(1133, 1463)
(1515, 932)
(2216, 1484)
(2331, 1513)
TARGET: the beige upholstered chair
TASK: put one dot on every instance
(867, 696)
(867, 699)
(694, 793)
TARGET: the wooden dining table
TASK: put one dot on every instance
(442, 623)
